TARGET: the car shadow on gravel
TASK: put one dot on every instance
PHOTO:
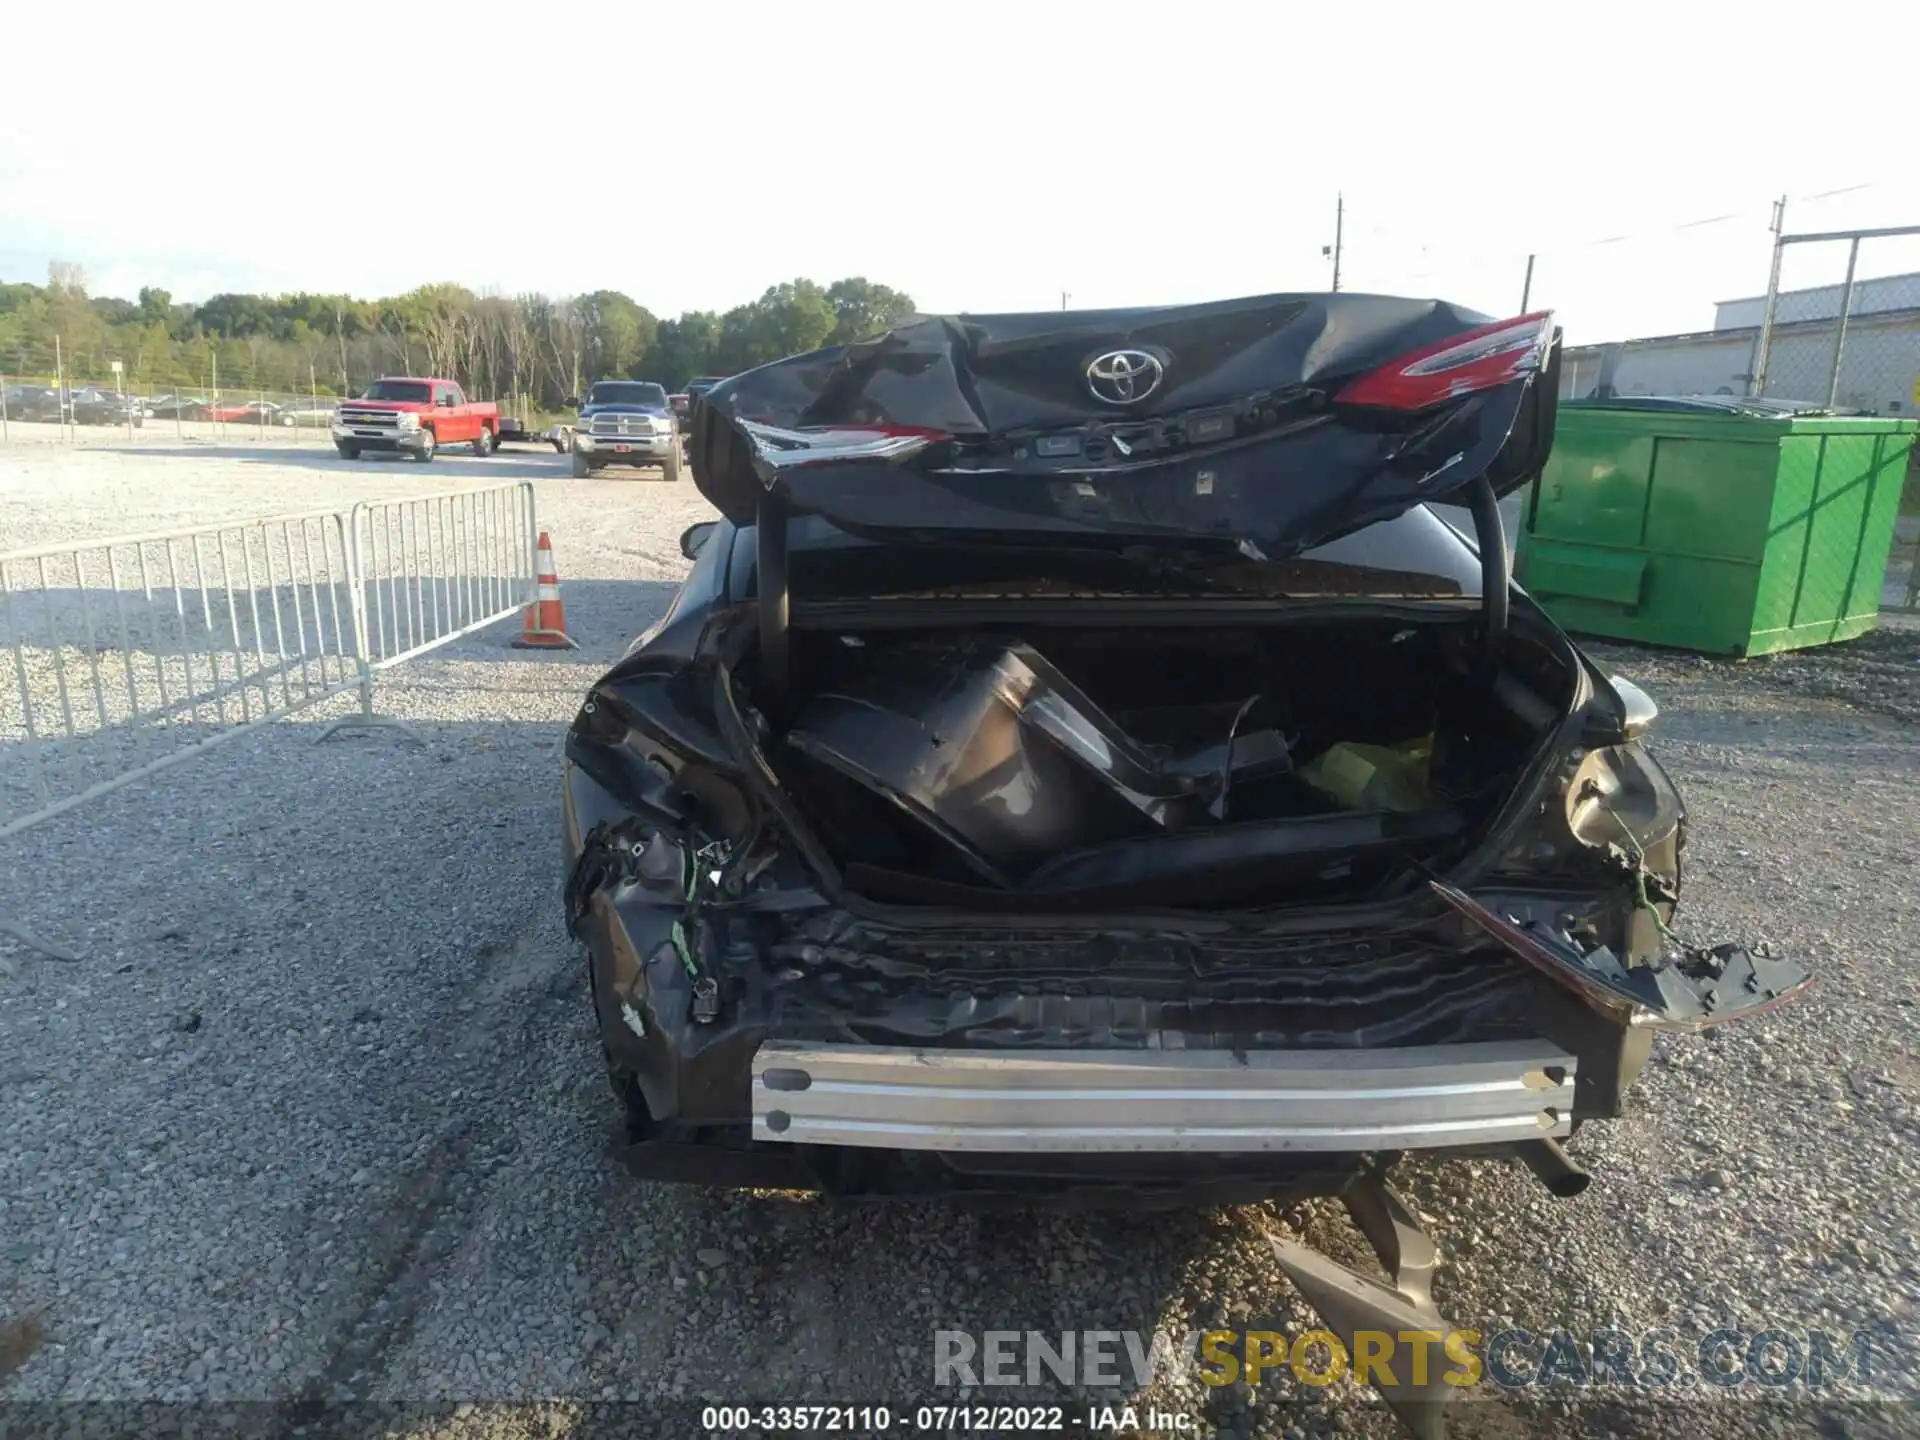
(786, 1297)
(856, 1291)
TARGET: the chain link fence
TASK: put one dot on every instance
(53, 398)
(55, 404)
(1840, 325)
(1837, 328)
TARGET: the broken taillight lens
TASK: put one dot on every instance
(1477, 360)
(780, 448)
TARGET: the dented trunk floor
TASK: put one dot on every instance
(1365, 736)
(408, 1110)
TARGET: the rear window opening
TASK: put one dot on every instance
(1230, 766)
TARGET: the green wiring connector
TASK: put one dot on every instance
(686, 954)
(690, 883)
(1643, 901)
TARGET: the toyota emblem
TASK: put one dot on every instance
(1124, 377)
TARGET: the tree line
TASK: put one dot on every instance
(534, 346)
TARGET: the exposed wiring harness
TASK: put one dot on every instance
(1637, 857)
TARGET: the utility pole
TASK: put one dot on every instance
(1064, 297)
(1339, 225)
(1526, 286)
(340, 334)
(1840, 334)
(1757, 385)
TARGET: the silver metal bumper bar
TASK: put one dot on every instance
(1051, 1101)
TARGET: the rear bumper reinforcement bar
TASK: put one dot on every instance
(1052, 1101)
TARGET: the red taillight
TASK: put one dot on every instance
(781, 448)
(1476, 360)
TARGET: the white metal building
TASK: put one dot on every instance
(1879, 368)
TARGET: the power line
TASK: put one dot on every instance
(1746, 213)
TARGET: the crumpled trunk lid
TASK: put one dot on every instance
(1229, 420)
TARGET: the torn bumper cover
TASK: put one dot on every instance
(1691, 991)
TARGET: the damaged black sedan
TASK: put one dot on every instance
(1081, 763)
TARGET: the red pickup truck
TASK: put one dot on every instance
(401, 412)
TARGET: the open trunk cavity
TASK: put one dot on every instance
(1051, 767)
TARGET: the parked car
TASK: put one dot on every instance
(1106, 777)
(184, 407)
(259, 412)
(314, 410)
(226, 411)
(33, 403)
(415, 417)
(697, 389)
(625, 422)
(93, 406)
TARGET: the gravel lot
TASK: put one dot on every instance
(317, 1113)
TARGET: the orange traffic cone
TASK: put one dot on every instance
(543, 625)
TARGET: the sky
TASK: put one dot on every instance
(980, 156)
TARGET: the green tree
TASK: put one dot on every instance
(232, 316)
(156, 307)
(684, 348)
(113, 311)
(532, 345)
(617, 333)
(789, 319)
(863, 308)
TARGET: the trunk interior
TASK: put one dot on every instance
(1048, 768)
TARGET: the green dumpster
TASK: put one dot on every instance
(1730, 527)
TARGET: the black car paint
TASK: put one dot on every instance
(697, 958)
(693, 1072)
(79, 407)
(789, 952)
(33, 403)
(1293, 468)
(789, 962)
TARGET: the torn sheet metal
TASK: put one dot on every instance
(992, 748)
(1356, 1306)
(1691, 991)
(1220, 420)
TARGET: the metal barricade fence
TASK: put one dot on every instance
(432, 568)
(133, 654)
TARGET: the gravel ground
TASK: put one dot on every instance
(317, 1112)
